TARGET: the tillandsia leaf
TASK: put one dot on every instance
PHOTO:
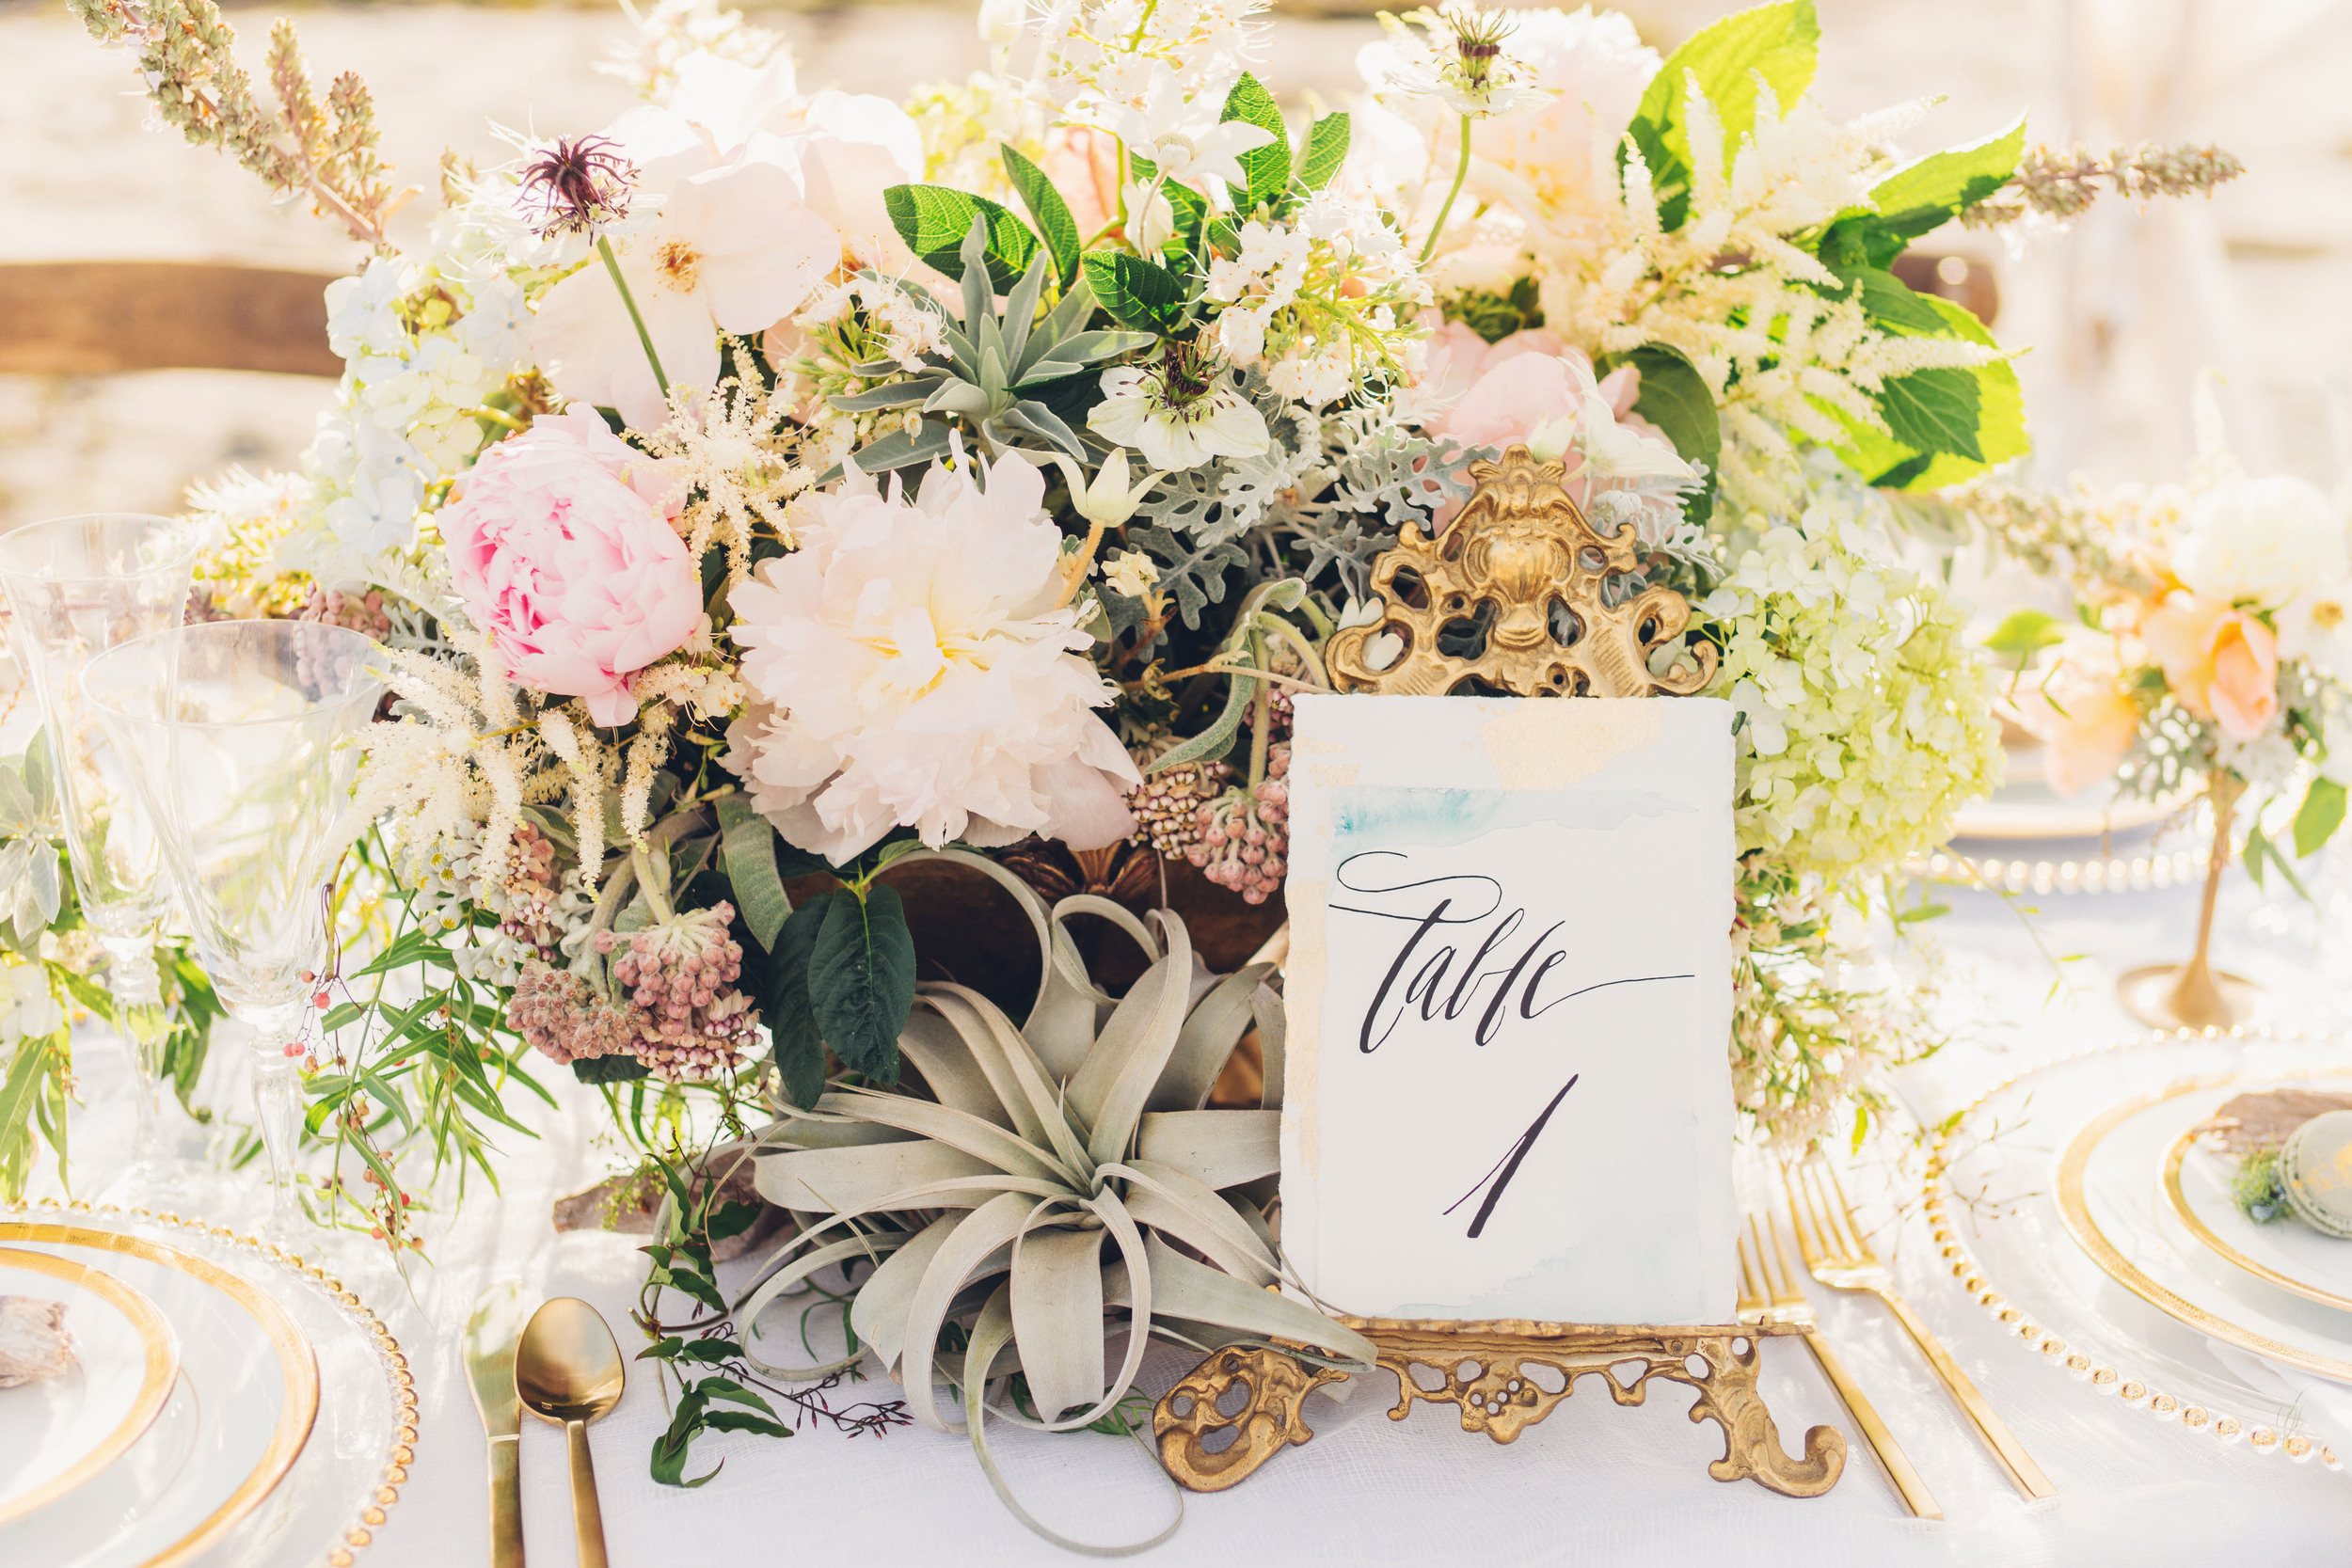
(1032, 418)
(1182, 1288)
(1218, 1148)
(900, 449)
(1057, 1312)
(897, 394)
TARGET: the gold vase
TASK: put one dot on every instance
(2195, 995)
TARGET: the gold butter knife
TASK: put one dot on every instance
(491, 1335)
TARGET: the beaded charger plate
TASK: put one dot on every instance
(2012, 1218)
(291, 1430)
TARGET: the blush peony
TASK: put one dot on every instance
(910, 667)
(560, 546)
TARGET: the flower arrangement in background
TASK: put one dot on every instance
(772, 484)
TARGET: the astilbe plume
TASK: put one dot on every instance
(1245, 833)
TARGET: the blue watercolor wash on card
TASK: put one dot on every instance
(1367, 817)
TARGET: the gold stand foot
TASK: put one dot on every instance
(2153, 994)
(1483, 1373)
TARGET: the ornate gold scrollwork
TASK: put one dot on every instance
(1522, 554)
(1483, 1373)
(1271, 1418)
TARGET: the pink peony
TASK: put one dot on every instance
(2221, 663)
(1533, 388)
(560, 546)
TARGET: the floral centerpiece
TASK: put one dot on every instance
(2206, 657)
(780, 486)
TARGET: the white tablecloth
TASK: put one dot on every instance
(1594, 1484)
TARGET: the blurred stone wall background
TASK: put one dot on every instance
(2118, 313)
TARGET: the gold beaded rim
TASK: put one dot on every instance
(2134, 1393)
(398, 1381)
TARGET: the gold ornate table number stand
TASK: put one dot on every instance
(1522, 562)
(1483, 1371)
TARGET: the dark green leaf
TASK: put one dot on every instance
(670, 1448)
(783, 1004)
(1047, 210)
(1267, 169)
(1935, 410)
(933, 221)
(1137, 292)
(1323, 150)
(1673, 397)
(750, 852)
(743, 1420)
(1781, 43)
(861, 980)
(1892, 304)
(2319, 816)
(608, 1069)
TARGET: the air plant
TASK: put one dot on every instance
(1038, 1203)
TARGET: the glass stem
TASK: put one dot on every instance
(278, 1105)
(139, 997)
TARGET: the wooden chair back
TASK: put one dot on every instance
(94, 318)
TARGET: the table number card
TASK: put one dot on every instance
(1509, 1003)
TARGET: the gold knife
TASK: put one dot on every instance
(491, 1335)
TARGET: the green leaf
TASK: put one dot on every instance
(2260, 851)
(2319, 816)
(1781, 43)
(861, 980)
(1931, 192)
(2000, 417)
(933, 221)
(1047, 210)
(1673, 397)
(748, 849)
(1935, 410)
(1323, 150)
(783, 1003)
(2024, 633)
(1267, 169)
(608, 1069)
(1137, 292)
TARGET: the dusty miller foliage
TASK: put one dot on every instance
(1327, 496)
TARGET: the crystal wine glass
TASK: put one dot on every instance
(75, 586)
(246, 728)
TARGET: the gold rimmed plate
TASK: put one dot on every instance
(248, 1396)
(2284, 1255)
(57, 1433)
(2110, 1194)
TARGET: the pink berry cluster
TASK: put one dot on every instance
(360, 612)
(530, 889)
(1244, 834)
(1167, 805)
(559, 1017)
(680, 975)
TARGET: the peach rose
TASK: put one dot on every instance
(2081, 712)
(2221, 663)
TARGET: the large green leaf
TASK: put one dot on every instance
(1323, 150)
(1895, 462)
(1047, 210)
(1268, 167)
(861, 979)
(1137, 294)
(1939, 187)
(1781, 43)
(749, 850)
(933, 220)
(2319, 816)
(785, 1005)
(1673, 397)
(1935, 410)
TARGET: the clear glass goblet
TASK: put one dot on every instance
(246, 730)
(75, 586)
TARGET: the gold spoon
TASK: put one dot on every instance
(568, 1371)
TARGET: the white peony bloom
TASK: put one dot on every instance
(2260, 539)
(908, 666)
(2316, 626)
(1175, 417)
(734, 248)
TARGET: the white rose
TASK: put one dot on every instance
(2262, 539)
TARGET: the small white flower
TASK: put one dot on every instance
(2316, 626)
(1170, 131)
(1242, 335)
(1131, 573)
(1109, 501)
(1176, 415)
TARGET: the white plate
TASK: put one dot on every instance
(246, 1374)
(2111, 1200)
(2283, 1256)
(57, 1433)
(325, 1504)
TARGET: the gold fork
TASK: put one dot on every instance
(1839, 1256)
(1769, 1294)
